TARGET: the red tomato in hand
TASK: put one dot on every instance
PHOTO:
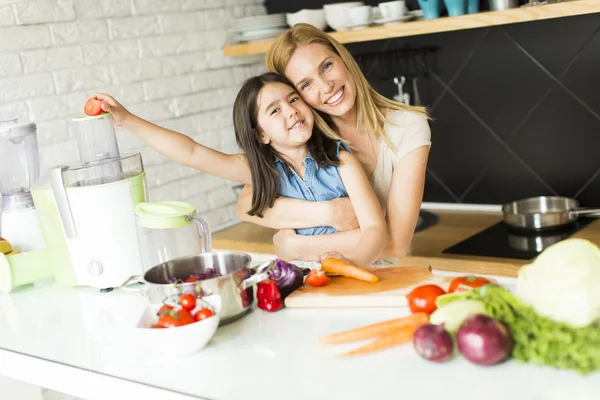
(174, 319)
(93, 107)
(464, 283)
(422, 298)
(203, 314)
(187, 301)
(317, 278)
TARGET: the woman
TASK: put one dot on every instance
(391, 141)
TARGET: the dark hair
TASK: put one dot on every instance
(261, 157)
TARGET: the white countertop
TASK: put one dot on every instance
(72, 340)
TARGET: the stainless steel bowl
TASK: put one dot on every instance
(233, 286)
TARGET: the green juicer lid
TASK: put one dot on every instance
(164, 214)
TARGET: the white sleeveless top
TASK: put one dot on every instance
(409, 132)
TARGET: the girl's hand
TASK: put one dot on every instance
(119, 113)
(342, 216)
(284, 244)
(333, 254)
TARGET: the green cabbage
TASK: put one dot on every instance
(536, 338)
(563, 283)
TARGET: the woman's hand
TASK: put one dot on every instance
(284, 244)
(119, 113)
(342, 215)
(333, 254)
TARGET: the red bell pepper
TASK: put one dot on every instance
(268, 296)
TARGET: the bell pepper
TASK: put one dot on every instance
(268, 296)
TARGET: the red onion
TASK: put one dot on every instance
(433, 342)
(483, 340)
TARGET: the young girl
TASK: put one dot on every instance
(284, 156)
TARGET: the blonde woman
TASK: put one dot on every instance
(390, 139)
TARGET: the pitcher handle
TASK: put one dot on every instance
(204, 231)
(264, 272)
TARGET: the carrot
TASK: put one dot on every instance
(335, 266)
(378, 329)
(399, 336)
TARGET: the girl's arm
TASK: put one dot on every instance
(178, 147)
(361, 246)
(296, 214)
(404, 201)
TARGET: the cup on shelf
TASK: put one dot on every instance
(456, 7)
(359, 16)
(392, 9)
(472, 6)
(431, 8)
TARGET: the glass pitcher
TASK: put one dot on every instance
(169, 230)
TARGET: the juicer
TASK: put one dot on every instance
(87, 208)
(19, 168)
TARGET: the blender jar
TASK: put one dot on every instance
(19, 164)
(96, 139)
(169, 230)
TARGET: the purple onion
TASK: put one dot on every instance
(483, 340)
(433, 342)
(288, 277)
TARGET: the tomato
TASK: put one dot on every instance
(187, 301)
(464, 283)
(93, 107)
(192, 279)
(203, 314)
(422, 298)
(317, 278)
(174, 319)
(165, 309)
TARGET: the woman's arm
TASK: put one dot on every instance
(296, 214)
(178, 147)
(404, 201)
(361, 246)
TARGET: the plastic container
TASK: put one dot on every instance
(19, 160)
(169, 230)
(96, 139)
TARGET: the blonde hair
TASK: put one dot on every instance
(369, 103)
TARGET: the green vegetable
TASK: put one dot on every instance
(453, 314)
(537, 339)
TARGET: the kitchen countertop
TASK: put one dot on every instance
(426, 247)
(74, 340)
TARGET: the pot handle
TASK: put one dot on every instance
(263, 274)
(592, 212)
(132, 280)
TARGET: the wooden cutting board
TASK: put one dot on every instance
(391, 290)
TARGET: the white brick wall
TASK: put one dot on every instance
(160, 58)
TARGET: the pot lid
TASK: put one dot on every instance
(164, 214)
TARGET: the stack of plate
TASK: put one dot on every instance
(260, 27)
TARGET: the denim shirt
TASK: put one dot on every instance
(319, 184)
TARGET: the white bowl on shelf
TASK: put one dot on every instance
(315, 18)
(336, 14)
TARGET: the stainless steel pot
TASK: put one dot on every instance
(544, 212)
(233, 286)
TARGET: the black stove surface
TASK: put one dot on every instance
(502, 241)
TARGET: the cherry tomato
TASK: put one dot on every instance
(203, 314)
(192, 279)
(93, 107)
(165, 309)
(317, 278)
(187, 301)
(422, 298)
(174, 319)
(464, 283)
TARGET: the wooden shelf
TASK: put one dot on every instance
(444, 24)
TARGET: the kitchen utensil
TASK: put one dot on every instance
(336, 14)
(86, 208)
(401, 96)
(544, 212)
(315, 18)
(392, 9)
(233, 283)
(19, 168)
(431, 8)
(416, 93)
(455, 7)
(169, 230)
(391, 290)
(472, 6)
(499, 5)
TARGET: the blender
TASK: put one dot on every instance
(19, 168)
(87, 208)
